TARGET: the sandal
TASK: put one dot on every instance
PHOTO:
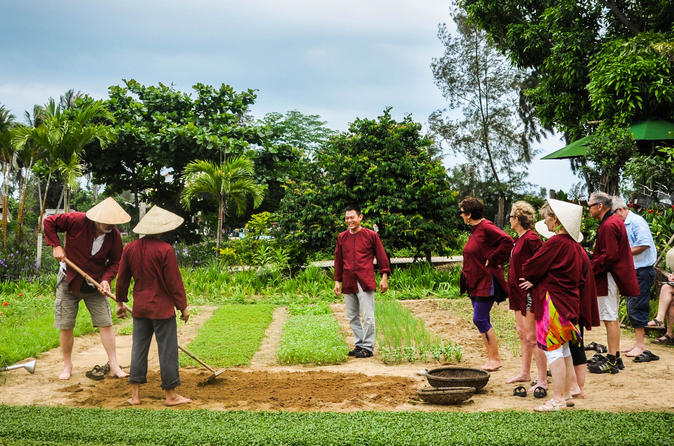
(646, 356)
(655, 324)
(540, 392)
(98, 372)
(599, 348)
(551, 405)
(520, 391)
(664, 340)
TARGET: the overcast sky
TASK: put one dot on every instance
(338, 59)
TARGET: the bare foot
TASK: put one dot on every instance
(519, 379)
(176, 400)
(628, 349)
(118, 373)
(65, 374)
(577, 395)
(134, 401)
(634, 352)
(491, 366)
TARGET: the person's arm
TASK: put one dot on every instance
(122, 286)
(382, 263)
(609, 251)
(52, 226)
(501, 244)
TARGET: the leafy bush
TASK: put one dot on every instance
(195, 255)
(18, 262)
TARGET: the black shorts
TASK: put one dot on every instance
(578, 350)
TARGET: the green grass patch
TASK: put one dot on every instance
(312, 339)
(66, 426)
(231, 336)
(27, 320)
(402, 337)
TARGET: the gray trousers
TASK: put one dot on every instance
(363, 332)
(165, 332)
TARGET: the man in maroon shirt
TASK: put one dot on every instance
(157, 290)
(95, 245)
(614, 273)
(354, 276)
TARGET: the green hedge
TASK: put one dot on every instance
(62, 425)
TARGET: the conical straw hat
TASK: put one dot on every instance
(108, 212)
(158, 221)
(568, 214)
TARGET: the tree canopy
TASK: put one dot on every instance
(385, 166)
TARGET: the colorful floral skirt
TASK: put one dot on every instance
(553, 331)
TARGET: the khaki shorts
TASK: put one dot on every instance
(67, 304)
(609, 305)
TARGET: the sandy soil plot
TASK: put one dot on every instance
(358, 384)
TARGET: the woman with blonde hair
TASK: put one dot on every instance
(522, 221)
(564, 296)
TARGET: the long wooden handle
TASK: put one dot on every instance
(89, 279)
(210, 369)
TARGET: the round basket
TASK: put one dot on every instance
(457, 377)
(446, 395)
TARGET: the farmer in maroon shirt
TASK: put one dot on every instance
(95, 245)
(486, 250)
(614, 274)
(354, 276)
(157, 290)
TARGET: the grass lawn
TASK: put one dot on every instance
(67, 426)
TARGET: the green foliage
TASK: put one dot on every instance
(402, 337)
(67, 426)
(387, 167)
(610, 148)
(561, 42)
(630, 79)
(654, 170)
(421, 280)
(158, 130)
(18, 262)
(312, 339)
(231, 336)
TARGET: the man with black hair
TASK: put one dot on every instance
(354, 277)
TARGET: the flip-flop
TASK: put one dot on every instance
(520, 391)
(540, 392)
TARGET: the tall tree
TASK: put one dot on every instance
(479, 83)
(8, 159)
(158, 130)
(387, 167)
(231, 184)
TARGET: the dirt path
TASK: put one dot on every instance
(357, 384)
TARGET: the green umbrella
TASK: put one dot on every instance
(649, 130)
(575, 149)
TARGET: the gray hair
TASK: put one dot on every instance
(618, 203)
(603, 198)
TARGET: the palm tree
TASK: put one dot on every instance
(28, 152)
(8, 158)
(230, 183)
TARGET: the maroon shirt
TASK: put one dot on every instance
(486, 242)
(612, 253)
(158, 286)
(354, 254)
(525, 247)
(80, 235)
(561, 268)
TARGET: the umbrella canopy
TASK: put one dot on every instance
(649, 130)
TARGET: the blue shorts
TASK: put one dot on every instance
(638, 307)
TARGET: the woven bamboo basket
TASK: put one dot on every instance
(457, 377)
(446, 395)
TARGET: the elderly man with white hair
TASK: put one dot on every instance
(644, 256)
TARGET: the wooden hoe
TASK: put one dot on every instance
(88, 278)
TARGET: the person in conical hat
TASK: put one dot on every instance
(94, 244)
(666, 305)
(158, 289)
(562, 285)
